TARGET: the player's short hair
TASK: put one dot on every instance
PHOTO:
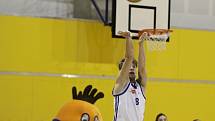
(196, 120)
(122, 62)
(159, 115)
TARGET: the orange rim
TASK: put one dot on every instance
(155, 31)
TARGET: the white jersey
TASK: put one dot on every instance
(129, 105)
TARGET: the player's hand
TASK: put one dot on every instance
(143, 37)
(125, 34)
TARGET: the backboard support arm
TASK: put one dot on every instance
(105, 17)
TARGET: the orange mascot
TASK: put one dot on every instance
(81, 108)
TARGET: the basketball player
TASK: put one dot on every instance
(128, 92)
(161, 117)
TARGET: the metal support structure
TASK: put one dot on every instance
(106, 11)
(104, 19)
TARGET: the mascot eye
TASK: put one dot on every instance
(85, 117)
(96, 118)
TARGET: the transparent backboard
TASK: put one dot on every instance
(135, 16)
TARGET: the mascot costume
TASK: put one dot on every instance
(82, 107)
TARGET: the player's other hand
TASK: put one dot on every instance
(143, 37)
(125, 34)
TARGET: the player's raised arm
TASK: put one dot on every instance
(141, 59)
(125, 64)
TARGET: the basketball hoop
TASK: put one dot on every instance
(155, 38)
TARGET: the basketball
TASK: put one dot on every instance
(134, 1)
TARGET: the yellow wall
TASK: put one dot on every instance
(86, 47)
(40, 98)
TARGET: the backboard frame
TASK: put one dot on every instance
(114, 5)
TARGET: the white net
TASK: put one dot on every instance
(156, 42)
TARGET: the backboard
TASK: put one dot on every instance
(135, 15)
